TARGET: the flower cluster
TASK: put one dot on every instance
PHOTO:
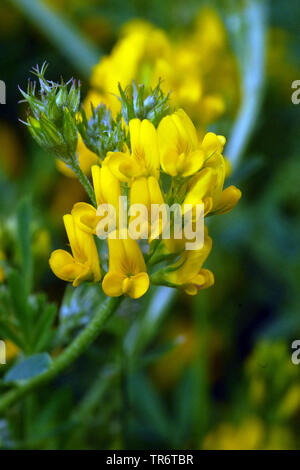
(197, 67)
(155, 162)
(52, 123)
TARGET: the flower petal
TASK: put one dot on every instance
(112, 284)
(229, 199)
(64, 266)
(85, 217)
(138, 286)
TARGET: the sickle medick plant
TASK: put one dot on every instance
(149, 156)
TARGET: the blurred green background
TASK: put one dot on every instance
(214, 371)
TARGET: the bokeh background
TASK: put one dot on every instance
(171, 371)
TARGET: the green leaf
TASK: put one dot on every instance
(28, 368)
(149, 406)
(160, 300)
(6, 440)
(24, 239)
(156, 354)
(43, 331)
(7, 332)
(18, 294)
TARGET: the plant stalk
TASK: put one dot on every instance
(70, 354)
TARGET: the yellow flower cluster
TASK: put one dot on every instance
(195, 169)
(189, 66)
(197, 67)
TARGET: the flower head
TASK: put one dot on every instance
(145, 192)
(187, 273)
(144, 156)
(107, 191)
(207, 186)
(127, 272)
(181, 154)
(83, 263)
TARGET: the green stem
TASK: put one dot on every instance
(70, 354)
(84, 181)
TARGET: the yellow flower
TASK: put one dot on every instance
(2, 272)
(83, 264)
(127, 270)
(11, 350)
(107, 191)
(132, 58)
(2, 275)
(146, 191)
(41, 243)
(180, 151)
(189, 66)
(190, 276)
(206, 186)
(200, 189)
(249, 435)
(144, 157)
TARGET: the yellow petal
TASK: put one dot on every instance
(110, 186)
(134, 258)
(190, 263)
(169, 162)
(64, 266)
(139, 192)
(112, 284)
(203, 280)
(155, 194)
(114, 160)
(117, 256)
(156, 198)
(193, 162)
(125, 256)
(168, 137)
(149, 141)
(137, 285)
(229, 199)
(96, 176)
(186, 127)
(131, 168)
(83, 246)
(212, 144)
(200, 186)
(135, 141)
(71, 233)
(85, 217)
(106, 185)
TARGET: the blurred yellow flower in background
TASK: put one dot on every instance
(197, 67)
(246, 436)
(11, 152)
(11, 350)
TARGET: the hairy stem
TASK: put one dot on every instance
(84, 181)
(70, 354)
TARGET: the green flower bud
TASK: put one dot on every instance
(53, 121)
(139, 103)
(101, 133)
